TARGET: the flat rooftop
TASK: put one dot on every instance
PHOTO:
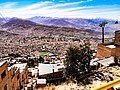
(47, 68)
(106, 61)
(111, 46)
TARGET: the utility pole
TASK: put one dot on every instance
(102, 25)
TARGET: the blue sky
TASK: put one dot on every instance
(109, 9)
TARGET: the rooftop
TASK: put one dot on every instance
(9, 68)
(2, 62)
(21, 66)
(47, 68)
(106, 61)
(110, 46)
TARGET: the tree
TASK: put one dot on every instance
(77, 60)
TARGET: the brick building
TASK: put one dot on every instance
(109, 49)
(14, 77)
(4, 75)
(106, 50)
(23, 70)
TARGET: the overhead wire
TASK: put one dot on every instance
(3, 17)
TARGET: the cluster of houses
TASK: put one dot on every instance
(18, 76)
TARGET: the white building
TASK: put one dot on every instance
(47, 68)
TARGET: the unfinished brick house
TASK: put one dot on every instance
(109, 49)
(4, 76)
(14, 77)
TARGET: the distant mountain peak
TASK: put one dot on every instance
(18, 22)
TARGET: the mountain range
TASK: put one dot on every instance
(30, 29)
(78, 23)
(92, 24)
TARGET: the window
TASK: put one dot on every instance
(5, 87)
(3, 74)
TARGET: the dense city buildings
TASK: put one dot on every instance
(33, 57)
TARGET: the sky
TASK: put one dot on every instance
(109, 9)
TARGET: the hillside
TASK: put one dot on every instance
(27, 38)
(78, 23)
(24, 26)
(18, 23)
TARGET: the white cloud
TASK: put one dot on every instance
(56, 10)
(35, 6)
(7, 5)
(62, 5)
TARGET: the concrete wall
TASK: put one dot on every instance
(50, 75)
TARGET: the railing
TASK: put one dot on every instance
(108, 85)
